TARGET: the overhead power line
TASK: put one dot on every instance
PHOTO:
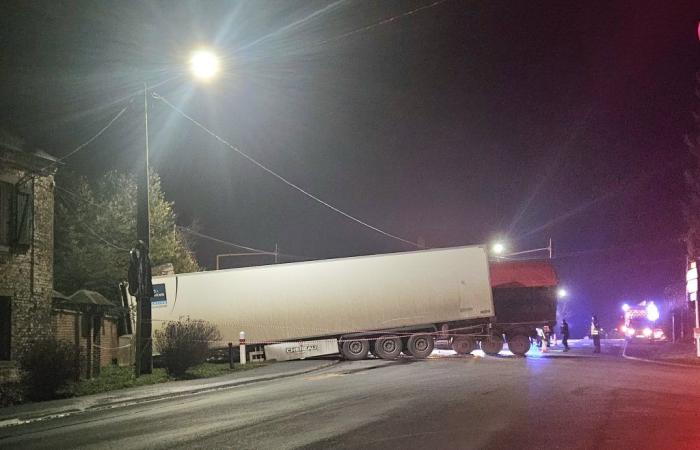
(78, 148)
(99, 133)
(233, 244)
(280, 177)
(382, 22)
(77, 198)
(221, 241)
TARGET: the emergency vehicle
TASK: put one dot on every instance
(640, 323)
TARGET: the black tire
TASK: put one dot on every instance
(388, 347)
(420, 345)
(492, 344)
(463, 345)
(355, 349)
(519, 344)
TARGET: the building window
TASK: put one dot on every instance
(5, 328)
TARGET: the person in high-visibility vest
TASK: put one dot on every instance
(595, 333)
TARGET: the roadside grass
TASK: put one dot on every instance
(679, 352)
(113, 378)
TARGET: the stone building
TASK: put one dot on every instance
(26, 247)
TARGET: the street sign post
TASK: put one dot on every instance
(691, 287)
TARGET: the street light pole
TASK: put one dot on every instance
(697, 320)
(205, 66)
(144, 346)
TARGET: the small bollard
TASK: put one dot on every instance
(230, 355)
(241, 342)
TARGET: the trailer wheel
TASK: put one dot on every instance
(355, 349)
(463, 345)
(492, 344)
(519, 344)
(388, 347)
(420, 345)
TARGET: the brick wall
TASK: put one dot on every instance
(97, 350)
(110, 341)
(27, 277)
(65, 325)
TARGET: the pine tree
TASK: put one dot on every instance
(96, 226)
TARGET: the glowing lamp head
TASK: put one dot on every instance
(652, 312)
(204, 64)
(562, 293)
(625, 307)
(498, 248)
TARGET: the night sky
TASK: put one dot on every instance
(459, 123)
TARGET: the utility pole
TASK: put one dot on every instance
(144, 346)
(277, 254)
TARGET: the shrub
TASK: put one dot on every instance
(10, 394)
(48, 365)
(184, 344)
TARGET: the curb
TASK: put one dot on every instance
(70, 411)
(652, 361)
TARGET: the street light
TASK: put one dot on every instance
(652, 312)
(204, 64)
(562, 293)
(498, 248)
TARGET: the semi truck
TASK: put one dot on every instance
(385, 305)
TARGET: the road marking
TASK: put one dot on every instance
(324, 376)
(18, 421)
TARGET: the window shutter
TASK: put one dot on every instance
(6, 221)
(23, 217)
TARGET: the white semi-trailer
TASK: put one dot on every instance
(383, 304)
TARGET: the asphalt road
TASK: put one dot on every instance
(571, 402)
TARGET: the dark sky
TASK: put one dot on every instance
(457, 124)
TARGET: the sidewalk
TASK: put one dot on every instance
(667, 352)
(15, 415)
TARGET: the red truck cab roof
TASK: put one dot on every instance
(523, 274)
